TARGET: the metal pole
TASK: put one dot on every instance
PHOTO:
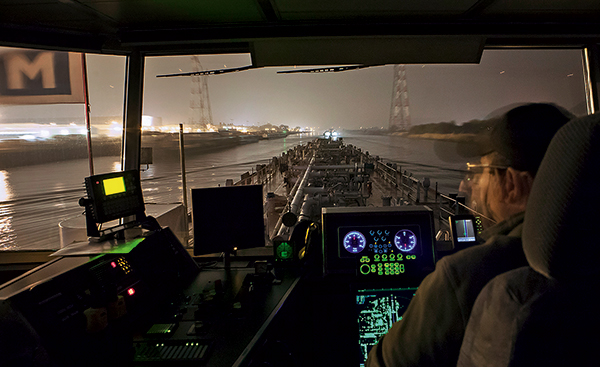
(183, 179)
(591, 74)
(88, 124)
(132, 131)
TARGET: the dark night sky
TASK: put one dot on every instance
(347, 99)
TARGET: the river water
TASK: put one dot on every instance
(34, 199)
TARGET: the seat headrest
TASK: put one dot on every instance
(560, 238)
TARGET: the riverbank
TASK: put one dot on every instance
(457, 138)
(21, 152)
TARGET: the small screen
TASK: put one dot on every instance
(284, 250)
(465, 231)
(377, 311)
(115, 195)
(113, 186)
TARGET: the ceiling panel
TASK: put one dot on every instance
(27, 2)
(544, 7)
(367, 50)
(340, 9)
(154, 13)
(160, 24)
(40, 13)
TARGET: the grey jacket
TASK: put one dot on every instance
(431, 330)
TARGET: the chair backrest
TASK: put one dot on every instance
(547, 314)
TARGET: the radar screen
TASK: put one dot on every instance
(376, 311)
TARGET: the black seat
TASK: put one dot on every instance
(548, 314)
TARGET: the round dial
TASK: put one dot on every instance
(354, 242)
(405, 240)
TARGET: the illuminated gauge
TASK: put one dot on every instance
(405, 240)
(285, 251)
(355, 242)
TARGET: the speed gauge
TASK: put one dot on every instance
(354, 242)
(405, 240)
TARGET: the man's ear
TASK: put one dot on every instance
(517, 185)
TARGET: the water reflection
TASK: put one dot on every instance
(7, 234)
(6, 192)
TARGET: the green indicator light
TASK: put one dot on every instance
(285, 251)
(126, 247)
(364, 269)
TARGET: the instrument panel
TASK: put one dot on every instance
(85, 310)
(381, 250)
(375, 243)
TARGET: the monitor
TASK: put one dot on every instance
(464, 230)
(379, 243)
(227, 218)
(376, 311)
(115, 195)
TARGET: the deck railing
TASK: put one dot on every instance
(410, 190)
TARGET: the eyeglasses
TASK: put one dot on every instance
(479, 168)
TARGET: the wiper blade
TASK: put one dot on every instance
(209, 72)
(331, 69)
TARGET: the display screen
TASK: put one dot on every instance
(115, 195)
(376, 311)
(283, 251)
(113, 186)
(381, 250)
(375, 243)
(381, 240)
(465, 230)
(228, 218)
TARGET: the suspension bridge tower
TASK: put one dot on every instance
(201, 114)
(399, 112)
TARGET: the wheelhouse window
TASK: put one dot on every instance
(41, 184)
(44, 153)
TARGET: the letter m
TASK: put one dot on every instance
(18, 66)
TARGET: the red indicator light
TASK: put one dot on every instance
(97, 182)
(131, 291)
(113, 264)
